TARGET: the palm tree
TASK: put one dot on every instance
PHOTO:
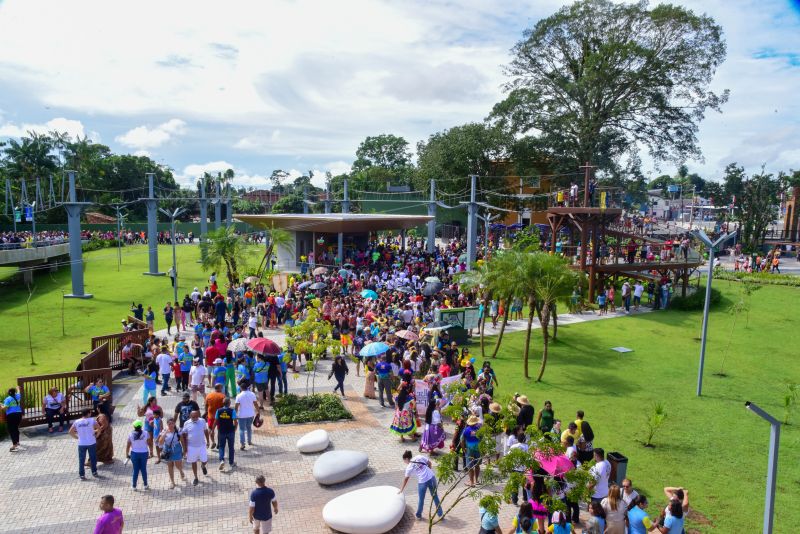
(504, 286)
(526, 275)
(478, 279)
(275, 239)
(221, 249)
(555, 281)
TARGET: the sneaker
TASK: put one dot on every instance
(242, 447)
(233, 464)
(250, 443)
(133, 488)
(222, 466)
(146, 487)
(83, 477)
(203, 467)
(95, 474)
(195, 482)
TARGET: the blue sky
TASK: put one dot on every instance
(298, 84)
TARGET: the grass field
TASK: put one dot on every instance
(113, 292)
(711, 445)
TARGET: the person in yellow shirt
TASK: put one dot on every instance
(571, 431)
(578, 421)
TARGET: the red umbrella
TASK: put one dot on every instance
(554, 465)
(263, 345)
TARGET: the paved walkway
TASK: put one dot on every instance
(44, 494)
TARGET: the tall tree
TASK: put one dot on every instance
(756, 209)
(452, 155)
(386, 150)
(598, 78)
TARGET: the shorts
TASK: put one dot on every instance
(194, 454)
(201, 388)
(637, 300)
(473, 457)
(262, 526)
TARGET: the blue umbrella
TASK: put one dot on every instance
(373, 349)
(369, 294)
(304, 285)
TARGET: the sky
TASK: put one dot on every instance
(297, 85)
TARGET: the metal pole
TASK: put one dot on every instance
(305, 199)
(203, 217)
(705, 321)
(33, 222)
(75, 247)
(229, 206)
(432, 222)
(472, 227)
(218, 207)
(174, 262)
(772, 466)
(152, 226)
(119, 246)
(345, 209)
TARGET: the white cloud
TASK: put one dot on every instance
(73, 127)
(143, 137)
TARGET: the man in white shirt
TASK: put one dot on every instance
(638, 289)
(420, 466)
(194, 438)
(600, 471)
(85, 431)
(252, 323)
(164, 362)
(246, 412)
(197, 376)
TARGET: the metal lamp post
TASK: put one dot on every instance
(174, 215)
(772, 467)
(712, 248)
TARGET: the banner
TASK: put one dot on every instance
(421, 392)
(465, 318)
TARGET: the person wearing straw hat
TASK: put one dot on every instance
(526, 411)
(471, 442)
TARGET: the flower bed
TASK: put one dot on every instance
(310, 409)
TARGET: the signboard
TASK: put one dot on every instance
(28, 213)
(672, 188)
(17, 215)
(465, 318)
(421, 392)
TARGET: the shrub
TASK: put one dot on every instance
(759, 278)
(312, 408)
(695, 301)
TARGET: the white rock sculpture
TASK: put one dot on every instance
(365, 511)
(314, 441)
(337, 466)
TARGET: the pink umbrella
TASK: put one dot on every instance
(554, 465)
(263, 345)
(407, 335)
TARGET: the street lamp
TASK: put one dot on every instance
(712, 248)
(174, 273)
(772, 466)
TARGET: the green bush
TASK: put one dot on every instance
(759, 278)
(695, 301)
(313, 408)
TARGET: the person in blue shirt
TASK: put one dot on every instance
(101, 396)
(673, 519)
(13, 409)
(242, 372)
(186, 366)
(383, 374)
(220, 309)
(219, 372)
(261, 377)
(638, 520)
(207, 331)
(149, 389)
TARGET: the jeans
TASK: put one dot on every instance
(339, 385)
(245, 426)
(272, 379)
(422, 488)
(164, 382)
(184, 380)
(82, 450)
(385, 384)
(146, 394)
(230, 439)
(51, 416)
(627, 302)
(139, 462)
(12, 423)
(283, 384)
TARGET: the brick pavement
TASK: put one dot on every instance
(42, 491)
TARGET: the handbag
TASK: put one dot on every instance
(168, 449)
(257, 421)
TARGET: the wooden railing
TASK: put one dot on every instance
(34, 388)
(117, 341)
(97, 359)
(140, 325)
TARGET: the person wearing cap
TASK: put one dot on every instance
(218, 373)
(137, 451)
(471, 443)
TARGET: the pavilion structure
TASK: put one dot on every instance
(332, 233)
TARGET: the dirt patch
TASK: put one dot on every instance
(697, 517)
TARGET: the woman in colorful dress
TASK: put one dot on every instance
(433, 436)
(405, 420)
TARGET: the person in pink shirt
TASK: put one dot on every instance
(111, 521)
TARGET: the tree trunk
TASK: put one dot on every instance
(531, 309)
(555, 321)
(500, 335)
(483, 326)
(545, 340)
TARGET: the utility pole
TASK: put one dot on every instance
(229, 205)
(152, 226)
(432, 222)
(345, 210)
(772, 465)
(174, 270)
(472, 223)
(218, 206)
(203, 216)
(74, 208)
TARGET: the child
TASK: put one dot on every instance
(601, 302)
(158, 424)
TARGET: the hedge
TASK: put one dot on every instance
(759, 278)
(313, 408)
(695, 301)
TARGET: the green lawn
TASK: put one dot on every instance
(711, 445)
(113, 292)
